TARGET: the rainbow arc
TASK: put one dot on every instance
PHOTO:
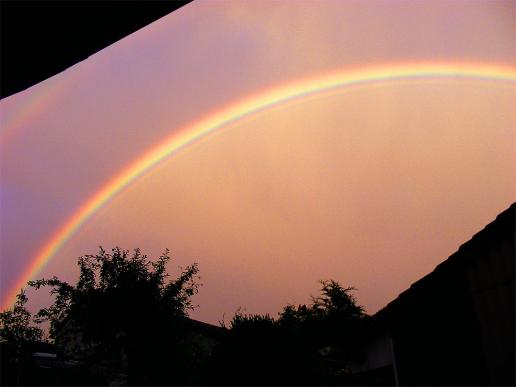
(265, 100)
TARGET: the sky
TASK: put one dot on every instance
(370, 185)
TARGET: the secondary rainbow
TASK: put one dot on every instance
(41, 97)
(262, 101)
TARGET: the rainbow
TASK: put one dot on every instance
(260, 102)
(42, 96)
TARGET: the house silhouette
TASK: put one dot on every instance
(456, 325)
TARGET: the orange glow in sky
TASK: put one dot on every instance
(372, 186)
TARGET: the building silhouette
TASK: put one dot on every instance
(456, 325)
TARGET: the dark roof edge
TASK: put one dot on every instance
(207, 326)
(506, 218)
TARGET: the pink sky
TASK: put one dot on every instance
(371, 187)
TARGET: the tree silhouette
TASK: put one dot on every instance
(16, 336)
(260, 350)
(330, 331)
(15, 328)
(125, 312)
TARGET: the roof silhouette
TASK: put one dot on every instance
(39, 39)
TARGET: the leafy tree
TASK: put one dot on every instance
(15, 325)
(335, 301)
(126, 312)
(331, 327)
(262, 350)
(334, 318)
(16, 335)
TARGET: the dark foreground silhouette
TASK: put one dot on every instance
(126, 322)
(39, 38)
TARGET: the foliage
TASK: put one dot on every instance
(262, 350)
(335, 301)
(15, 325)
(126, 310)
(241, 320)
